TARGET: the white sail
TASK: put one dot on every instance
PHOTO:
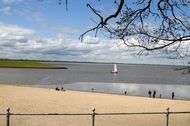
(114, 69)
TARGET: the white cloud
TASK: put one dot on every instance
(19, 42)
(13, 32)
(63, 29)
(91, 40)
(11, 1)
(36, 16)
(30, 14)
(6, 10)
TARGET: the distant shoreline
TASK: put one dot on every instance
(94, 62)
(27, 65)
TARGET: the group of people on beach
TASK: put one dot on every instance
(59, 89)
(153, 94)
(150, 93)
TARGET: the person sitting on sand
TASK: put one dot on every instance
(57, 89)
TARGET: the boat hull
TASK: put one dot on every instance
(114, 72)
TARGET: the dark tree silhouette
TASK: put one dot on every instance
(155, 24)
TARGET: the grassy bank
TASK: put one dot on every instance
(27, 64)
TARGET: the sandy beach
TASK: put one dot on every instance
(23, 99)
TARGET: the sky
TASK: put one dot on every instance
(44, 30)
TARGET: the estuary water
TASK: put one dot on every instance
(136, 80)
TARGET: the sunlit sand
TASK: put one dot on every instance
(39, 100)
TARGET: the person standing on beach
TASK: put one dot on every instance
(154, 94)
(92, 90)
(149, 93)
(160, 95)
(172, 95)
(125, 92)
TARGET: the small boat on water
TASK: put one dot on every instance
(114, 69)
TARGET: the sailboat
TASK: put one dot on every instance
(114, 69)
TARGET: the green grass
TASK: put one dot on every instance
(27, 64)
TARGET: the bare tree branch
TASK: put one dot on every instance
(103, 22)
(172, 22)
(66, 4)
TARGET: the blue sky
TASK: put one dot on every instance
(43, 29)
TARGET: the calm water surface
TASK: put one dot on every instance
(135, 79)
